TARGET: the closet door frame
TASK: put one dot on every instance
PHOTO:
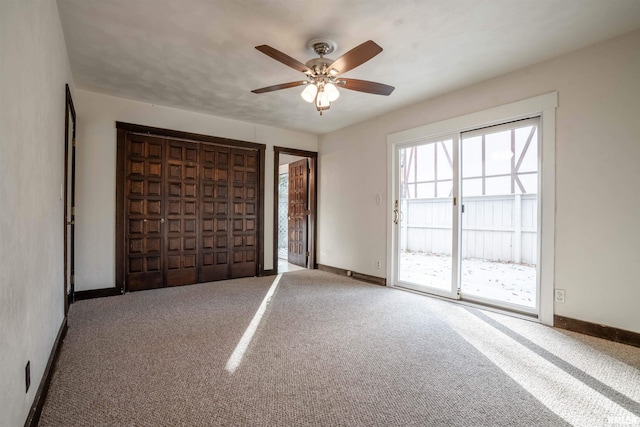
(122, 130)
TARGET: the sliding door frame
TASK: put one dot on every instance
(543, 106)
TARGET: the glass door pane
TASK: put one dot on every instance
(499, 236)
(425, 217)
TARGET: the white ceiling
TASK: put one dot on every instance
(199, 55)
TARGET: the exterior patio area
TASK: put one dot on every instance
(494, 280)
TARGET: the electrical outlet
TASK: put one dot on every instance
(378, 264)
(559, 295)
(27, 375)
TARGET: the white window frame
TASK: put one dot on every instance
(543, 106)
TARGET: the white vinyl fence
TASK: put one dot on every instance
(494, 228)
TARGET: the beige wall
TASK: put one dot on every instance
(34, 68)
(597, 171)
(95, 189)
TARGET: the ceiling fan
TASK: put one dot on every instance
(323, 74)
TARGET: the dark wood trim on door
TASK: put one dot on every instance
(120, 220)
(596, 330)
(187, 136)
(69, 227)
(313, 197)
(41, 395)
(123, 129)
(261, 169)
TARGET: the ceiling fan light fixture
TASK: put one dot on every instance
(322, 100)
(309, 92)
(332, 91)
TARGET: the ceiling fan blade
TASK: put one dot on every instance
(280, 86)
(366, 86)
(284, 58)
(355, 57)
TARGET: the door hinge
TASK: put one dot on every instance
(72, 279)
(73, 141)
(73, 210)
(308, 254)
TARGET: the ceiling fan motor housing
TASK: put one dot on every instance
(318, 62)
(322, 46)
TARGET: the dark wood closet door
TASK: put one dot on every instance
(298, 177)
(144, 209)
(214, 212)
(191, 212)
(244, 212)
(181, 249)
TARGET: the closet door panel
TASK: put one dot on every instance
(181, 215)
(144, 204)
(214, 212)
(243, 216)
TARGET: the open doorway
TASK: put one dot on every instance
(295, 209)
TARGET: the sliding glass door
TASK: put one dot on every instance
(424, 214)
(499, 243)
(466, 216)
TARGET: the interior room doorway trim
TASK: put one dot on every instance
(69, 199)
(542, 106)
(313, 197)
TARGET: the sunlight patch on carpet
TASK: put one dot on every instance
(236, 357)
(568, 397)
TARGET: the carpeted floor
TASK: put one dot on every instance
(328, 351)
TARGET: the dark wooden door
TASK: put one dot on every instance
(214, 212)
(69, 200)
(181, 213)
(191, 212)
(298, 178)
(70, 197)
(244, 212)
(144, 210)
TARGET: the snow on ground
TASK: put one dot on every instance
(508, 282)
(501, 281)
